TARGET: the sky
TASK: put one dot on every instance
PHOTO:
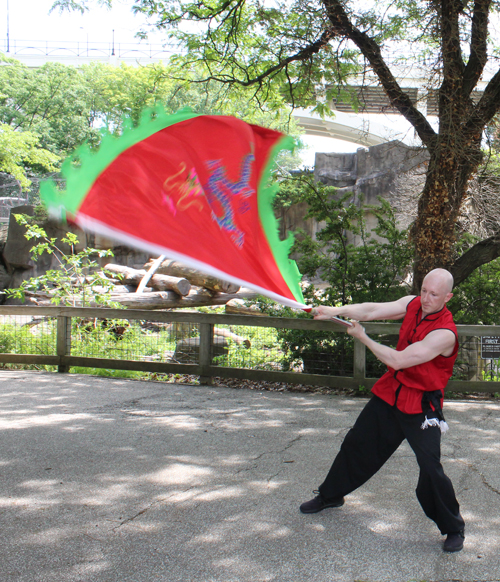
(29, 20)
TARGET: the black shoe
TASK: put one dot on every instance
(454, 542)
(318, 504)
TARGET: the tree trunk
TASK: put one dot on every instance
(434, 231)
(176, 269)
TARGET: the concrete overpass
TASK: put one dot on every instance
(361, 129)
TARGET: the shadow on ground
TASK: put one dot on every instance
(112, 480)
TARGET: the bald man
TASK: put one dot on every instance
(406, 403)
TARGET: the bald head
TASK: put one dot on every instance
(436, 290)
(442, 277)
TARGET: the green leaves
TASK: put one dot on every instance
(74, 5)
(78, 280)
(20, 149)
(357, 264)
(65, 107)
(273, 49)
(52, 102)
(51, 111)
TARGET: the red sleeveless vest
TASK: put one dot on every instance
(405, 387)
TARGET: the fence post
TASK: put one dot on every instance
(63, 340)
(205, 354)
(359, 371)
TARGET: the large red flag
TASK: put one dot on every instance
(194, 188)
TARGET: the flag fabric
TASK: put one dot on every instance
(195, 188)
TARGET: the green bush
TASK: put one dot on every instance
(77, 280)
(7, 340)
(475, 300)
(377, 268)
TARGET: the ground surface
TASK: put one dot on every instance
(111, 480)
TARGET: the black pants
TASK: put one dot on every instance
(375, 436)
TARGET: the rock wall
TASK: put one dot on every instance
(16, 264)
(391, 170)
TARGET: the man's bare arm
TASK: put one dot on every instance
(365, 311)
(437, 342)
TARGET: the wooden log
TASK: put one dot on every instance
(152, 300)
(177, 269)
(229, 334)
(151, 271)
(126, 275)
(168, 299)
(116, 289)
(130, 276)
(238, 307)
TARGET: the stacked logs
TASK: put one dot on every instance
(164, 284)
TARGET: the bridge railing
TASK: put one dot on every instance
(85, 49)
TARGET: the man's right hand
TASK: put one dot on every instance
(325, 312)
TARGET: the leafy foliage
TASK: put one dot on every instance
(49, 111)
(353, 264)
(261, 353)
(475, 300)
(251, 44)
(313, 53)
(356, 264)
(76, 281)
(66, 106)
(80, 6)
(19, 149)
(52, 102)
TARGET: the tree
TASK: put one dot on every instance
(19, 149)
(371, 270)
(51, 102)
(311, 49)
(59, 107)
(80, 5)
(66, 106)
(76, 280)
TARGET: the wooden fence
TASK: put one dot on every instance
(205, 368)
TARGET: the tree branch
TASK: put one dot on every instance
(481, 253)
(487, 108)
(302, 55)
(478, 46)
(451, 52)
(342, 26)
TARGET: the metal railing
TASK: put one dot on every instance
(208, 345)
(86, 49)
(7, 203)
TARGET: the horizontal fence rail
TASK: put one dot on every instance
(258, 348)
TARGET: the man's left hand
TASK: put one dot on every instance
(356, 330)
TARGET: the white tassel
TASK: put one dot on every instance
(443, 425)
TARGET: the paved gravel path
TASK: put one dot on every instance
(106, 480)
